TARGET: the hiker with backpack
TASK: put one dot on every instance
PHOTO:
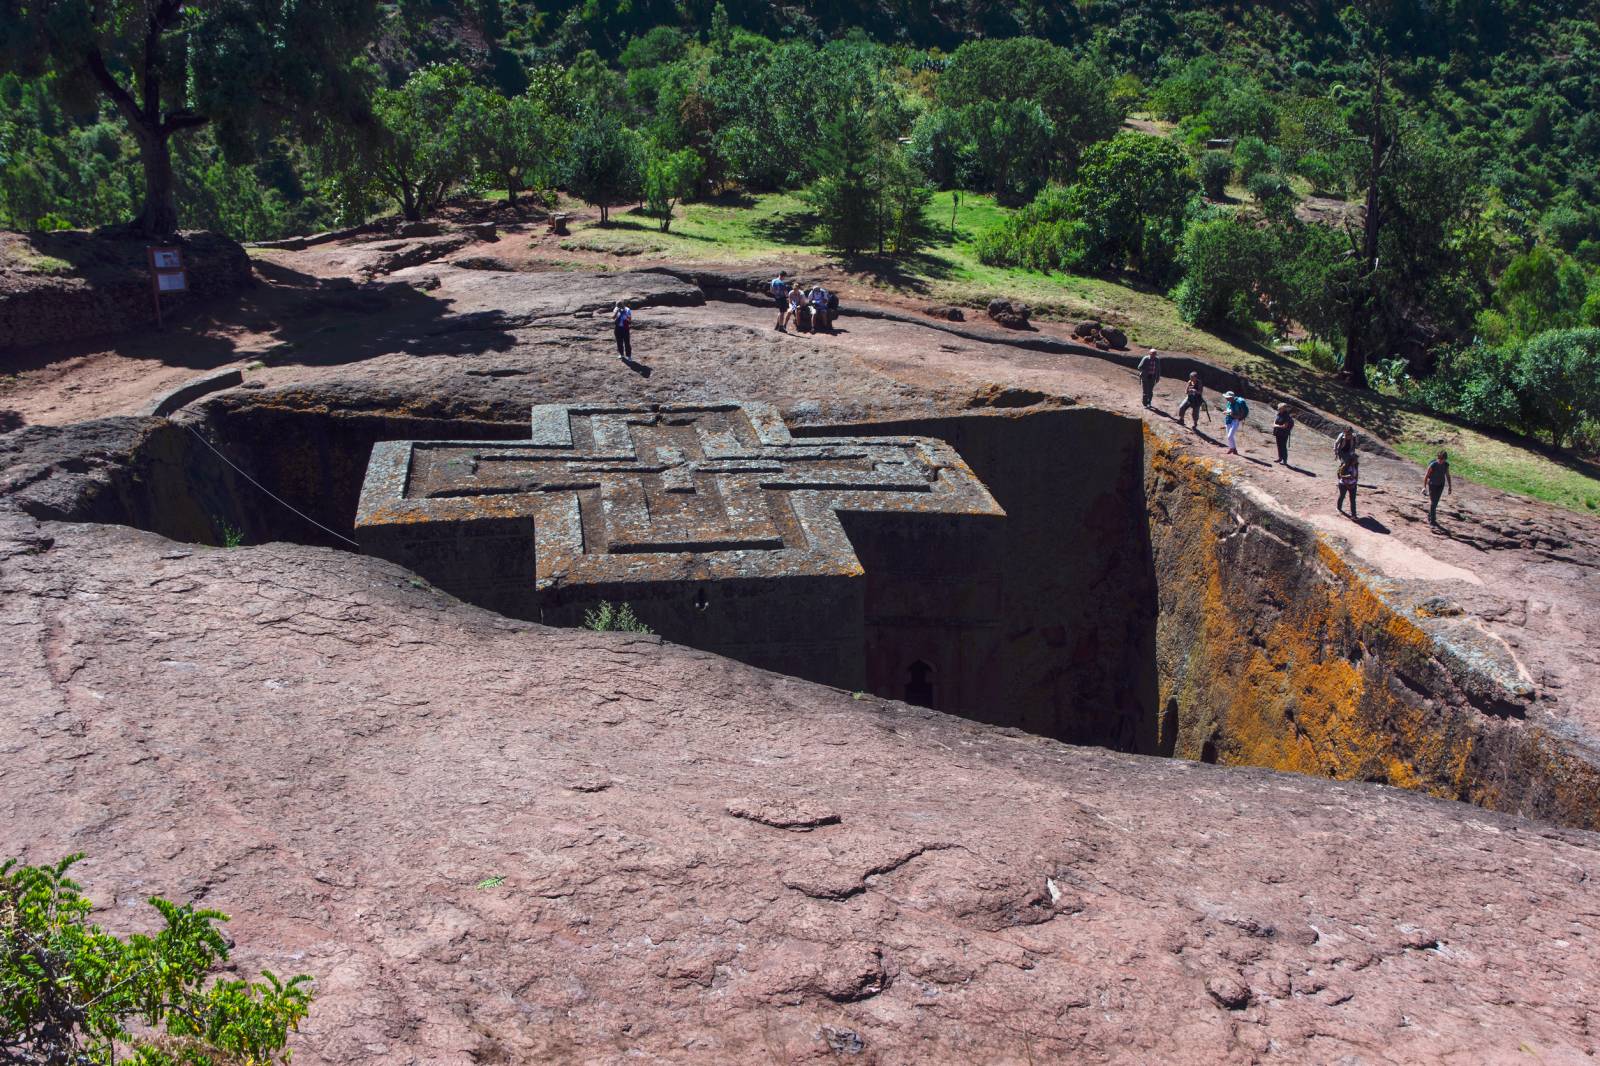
(779, 288)
(1349, 474)
(1282, 426)
(622, 328)
(1149, 374)
(1234, 411)
(1193, 400)
(1436, 479)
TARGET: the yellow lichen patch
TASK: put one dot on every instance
(1278, 653)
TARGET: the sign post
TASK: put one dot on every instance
(167, 274)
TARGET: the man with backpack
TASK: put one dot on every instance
(820, 318)
(1436, 479)
(1149, 374)
(1344, 445)
(1234, 411)
(1194, 398)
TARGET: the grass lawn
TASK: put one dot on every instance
(777, 226)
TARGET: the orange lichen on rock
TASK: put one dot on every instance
(1275, 651)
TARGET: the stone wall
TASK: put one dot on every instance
(1077, 645)
(1274, 651)
(105, 285)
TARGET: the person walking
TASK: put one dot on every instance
(1234, 411)
(1436, 479)
(779, 288)
(622, 329)
(1194, 398)
(1149, 374)
(1344, 445)
(1349, 474)
(1282, 426)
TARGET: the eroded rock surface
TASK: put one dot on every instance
(338, 758)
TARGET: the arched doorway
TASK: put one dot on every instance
(919, 684)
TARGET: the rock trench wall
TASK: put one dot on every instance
(1274, 651)
(1152, 606)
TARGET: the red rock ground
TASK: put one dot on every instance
(706, 863)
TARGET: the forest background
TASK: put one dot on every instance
(1398, 194)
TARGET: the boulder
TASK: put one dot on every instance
(946, 312)
(1086, 328)
(419, 229)
(1012, 314)
(1114, 336)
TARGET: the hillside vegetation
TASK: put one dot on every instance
(1396, 195)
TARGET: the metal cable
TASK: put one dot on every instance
(266, 490)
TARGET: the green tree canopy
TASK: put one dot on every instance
(1557, 380)
(668, 178)
(420, 142)
(605, 161)
(1132, 192)
(169, 67)
(1074, 94)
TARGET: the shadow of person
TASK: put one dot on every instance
(1301, 470)
(1253, 459)
(638, 368)
(1366, 521)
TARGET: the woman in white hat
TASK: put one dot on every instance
(1234, 411)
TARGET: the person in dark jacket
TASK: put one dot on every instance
(1436, 479)
(1344, 445)
(1194, 398)
(1282, 426)
(1149, 374)
(1349, 475)
(622, 328)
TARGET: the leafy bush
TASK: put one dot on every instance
(1557, 380)
(668, 177)
(1224, 261)
(1252, 156)
(613, 618)
(1322, 355)
(1045, 236)
(71, 993)
(1214, 169)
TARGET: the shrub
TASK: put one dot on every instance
(1557, 380)
(73, 993)
(1251, 156)
(1322, 355)
(1224, 261)
(1214, 169)
(613, 618)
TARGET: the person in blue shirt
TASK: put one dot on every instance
(622, 327)
(779, 288)
(1234, 411)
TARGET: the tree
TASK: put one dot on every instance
(170, 67)
(1557, 381)
(1073, 93)
(668, 177)
(845, 195)
(518, 140)
(1539, 290)
(605, 161)
(420, 142)
(905, 198)
(72, 993)
(1132, 192)
(1214, 170)
(1225, 261)
(1010, 139)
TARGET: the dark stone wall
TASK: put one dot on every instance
(1076, 655)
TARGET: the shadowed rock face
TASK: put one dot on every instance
(1146, 605)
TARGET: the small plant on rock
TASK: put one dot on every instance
(232, 536)
(617, 618)
(72, 993)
